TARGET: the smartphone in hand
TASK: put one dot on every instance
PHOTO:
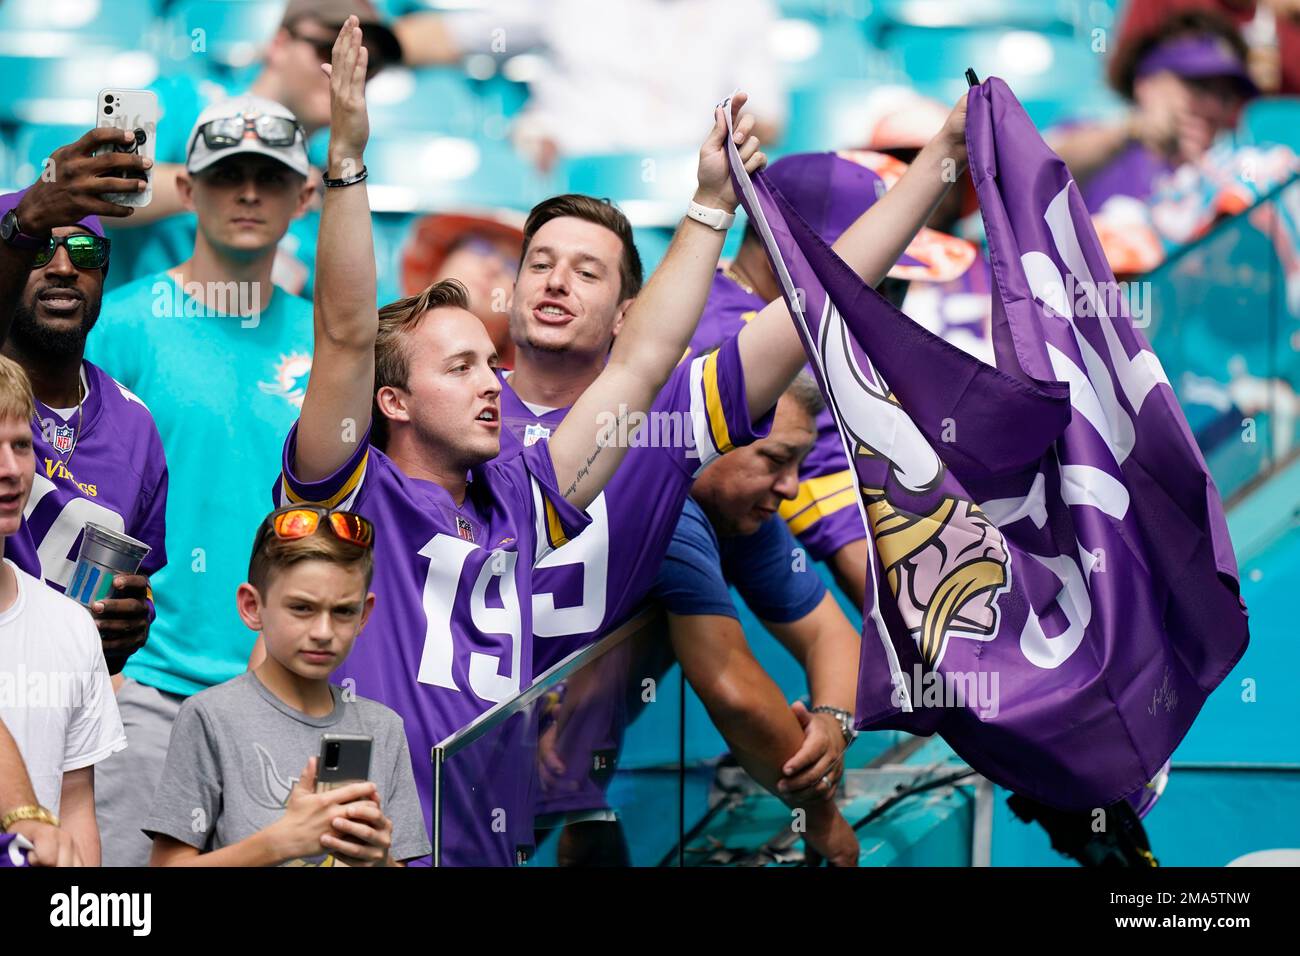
(344, 759)
(135, 110)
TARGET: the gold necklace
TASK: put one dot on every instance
(731, 274)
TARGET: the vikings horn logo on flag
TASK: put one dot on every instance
(1046, 527)
(945, 563)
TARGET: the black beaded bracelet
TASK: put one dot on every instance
(349, 181)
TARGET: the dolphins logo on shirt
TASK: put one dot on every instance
(290, 378)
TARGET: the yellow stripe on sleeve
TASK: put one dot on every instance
(819, 497)
(713, 403)
(554, 530)
(348, 486)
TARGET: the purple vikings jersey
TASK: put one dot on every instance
(452, 630)
(825, 514)
(104, 466)
(585, 588)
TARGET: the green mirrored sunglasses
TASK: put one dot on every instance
(86, 252)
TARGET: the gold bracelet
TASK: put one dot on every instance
(30, 812)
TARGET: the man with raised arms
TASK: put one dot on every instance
(401, 423)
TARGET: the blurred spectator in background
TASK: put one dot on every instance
(290, 74)
(482, 253)
(1271, 29)
(221, 356)
(1187, 79)
(619, 77)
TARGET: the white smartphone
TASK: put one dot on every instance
(135, 110)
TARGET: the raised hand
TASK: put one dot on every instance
(953, 135)
(349, 123)
(714, 173)
(78, 182)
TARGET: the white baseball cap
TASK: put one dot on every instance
(253, 110)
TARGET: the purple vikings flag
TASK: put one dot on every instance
(1060, 594)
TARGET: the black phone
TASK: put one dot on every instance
(344, 759)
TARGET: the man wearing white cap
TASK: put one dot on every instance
(221, 356)
(290, 74)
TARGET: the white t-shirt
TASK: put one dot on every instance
(56, 697)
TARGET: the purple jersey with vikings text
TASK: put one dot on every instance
(104, 465)
(452, 630)
(594, 582)
(598, 579)
(825, 513)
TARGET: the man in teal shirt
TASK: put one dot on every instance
(222, 356)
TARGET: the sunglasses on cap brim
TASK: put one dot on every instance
(229, 131)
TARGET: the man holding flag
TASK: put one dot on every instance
(1046, 527)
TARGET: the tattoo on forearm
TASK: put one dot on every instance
(583, 471)
(618, 428)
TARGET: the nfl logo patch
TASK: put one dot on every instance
(535, 433)
(62, 438)
(464, 529)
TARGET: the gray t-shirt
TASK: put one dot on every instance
(236, 750)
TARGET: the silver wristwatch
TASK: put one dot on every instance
(845, 721)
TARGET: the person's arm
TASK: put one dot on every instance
(71, 194)
(77, 812)
(750, 712)
(301, 831)
(54, 846)
(658, 327)
(336, 408)
(769, 344)
(827, 646)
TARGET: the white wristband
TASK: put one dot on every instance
(713, 218)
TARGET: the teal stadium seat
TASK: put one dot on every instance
(42, 89)
(427, 100)
(1274, 119)
(652, 190)
(65, 27)
(232, 31)
(415, 172)
(1055, 76)
(1044, 15)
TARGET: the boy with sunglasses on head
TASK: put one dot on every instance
(225, 797)
(99, 457)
